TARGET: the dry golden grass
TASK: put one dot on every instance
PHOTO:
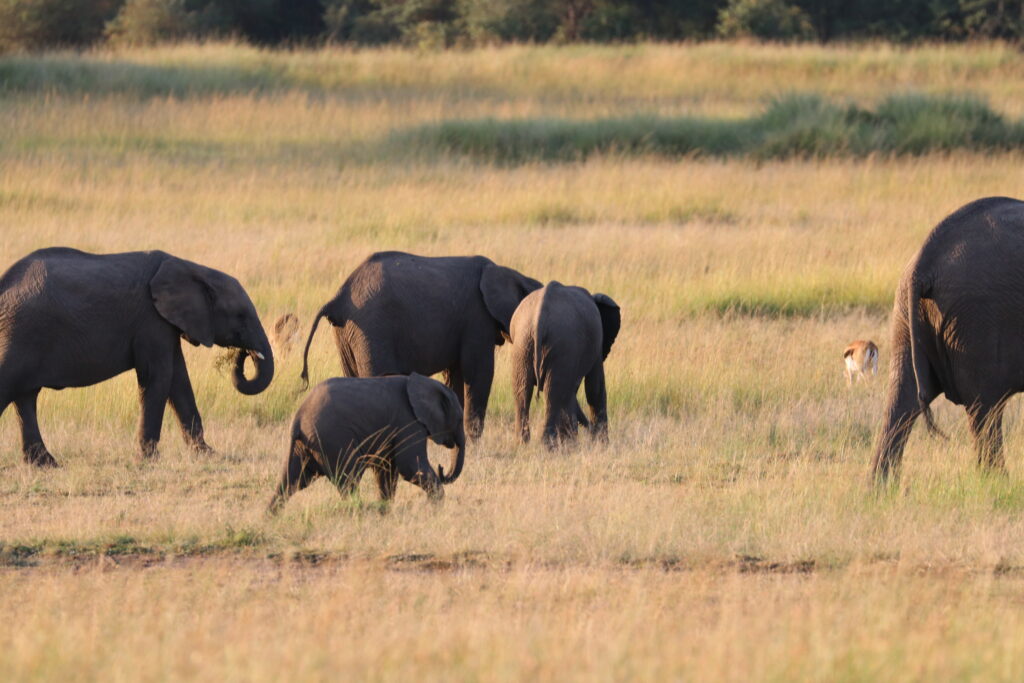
(726, 532)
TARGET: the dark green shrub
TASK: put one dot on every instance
(775, 20)
(40, 24)
(144, 22)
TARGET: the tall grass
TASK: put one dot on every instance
(725, 532)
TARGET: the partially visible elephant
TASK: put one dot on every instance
(399, 313)
(71, 319)
(348, 424)
(560, 338)
(286, 333)
(958, 330)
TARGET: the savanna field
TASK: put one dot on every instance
(751, 210)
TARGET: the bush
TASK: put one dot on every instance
(801, 126)
(764, 19)
(39, 24)
(509, 20)
(144, 22)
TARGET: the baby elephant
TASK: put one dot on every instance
(560, 337)
(348, 424)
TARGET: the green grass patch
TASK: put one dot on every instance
(792, 126)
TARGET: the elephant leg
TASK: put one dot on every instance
(299, 472)
(902, 410)
(523, 383)
(349, 472)
(581, 417)
(154, 393)
(454, 380)
(32, 446)
(560, 423)
(387, 479)
(348, 361)
(986, 423)
(183, 402)
(414, 467)
(478, 376)
(597, 399)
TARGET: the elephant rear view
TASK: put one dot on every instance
(71, 319)
(399, 313)
(561, 337)
(958, 329)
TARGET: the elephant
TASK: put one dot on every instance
(561, 337)
(69, 318)
(347, 424)
(958, 330)
(399, 313)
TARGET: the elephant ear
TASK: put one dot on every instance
(433, 404)
(503, 289)
(183, 298)
(611, 319)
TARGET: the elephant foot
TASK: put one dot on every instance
(200, 447)
(148, 450)
(39, 457)
(474, 429)
(276, 503)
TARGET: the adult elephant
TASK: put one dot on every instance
(399, 313)
(958, 329)
(71, 319)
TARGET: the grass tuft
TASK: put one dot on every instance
(792, 126)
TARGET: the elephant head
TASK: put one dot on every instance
(437, 408)
(503, 289)
(210, 307)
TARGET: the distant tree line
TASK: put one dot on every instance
(39, 24)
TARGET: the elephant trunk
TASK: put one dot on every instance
(263, 359)
(457, 461)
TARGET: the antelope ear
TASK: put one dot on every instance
(611, 319)
(503, 289)
(433, 404)
(183, 298)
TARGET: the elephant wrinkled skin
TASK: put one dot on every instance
(958, 329)
(71, 319)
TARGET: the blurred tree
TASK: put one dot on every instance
(764, 19)
(144, 22)
(39, 24)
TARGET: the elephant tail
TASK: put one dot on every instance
(540, 358)
(305, 354)
(918, 358)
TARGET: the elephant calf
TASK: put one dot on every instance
(71, 319)
(348, 424)
(560, 337)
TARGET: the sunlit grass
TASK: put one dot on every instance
(726, 532)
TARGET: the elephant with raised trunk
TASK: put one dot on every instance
(958, 330)
(71, 319)
(400, 313)
(347, 425)
(561, 337)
